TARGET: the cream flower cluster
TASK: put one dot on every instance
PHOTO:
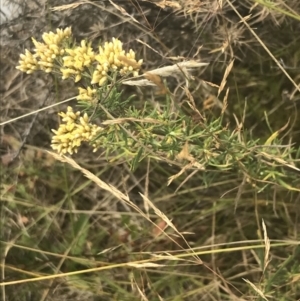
(73, 131)
(28, 62)
(86, 94)
(112, 57)
(45, 53)
(76, 60)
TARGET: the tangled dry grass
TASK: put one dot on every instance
(89, 227)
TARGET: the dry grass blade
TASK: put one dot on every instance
(160, 214)
(167, 256)
(145, 265)
(262, 295)
(182, 68)
(3, 256)
(170, 224)
(224, 80)
(139, 83)
(267, 246)
(177, 68)
(110, 188)
(278, 160)
(225, 102)
(67, 6)
(191, 102)
(165, 3)
(127, 119)
(123, 11)
(78, 272)
(134, 286)
(37, 111)
(147, 45)
(206, 83)
(158, 82)
(108, 250)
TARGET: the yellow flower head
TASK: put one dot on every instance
(28, 62)
(77, 59)
(86, 94)
(112, 57)
(45, 53)
(74, 130)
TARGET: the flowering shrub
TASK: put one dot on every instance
(183, 137)
(59, 54)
